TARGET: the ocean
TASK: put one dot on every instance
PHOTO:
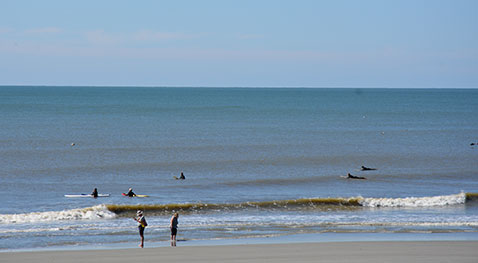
(260, 163)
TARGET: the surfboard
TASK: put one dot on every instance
(135, 195)
(86, 195)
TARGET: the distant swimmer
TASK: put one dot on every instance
(354, 177)
(367, 169)
(73, 144)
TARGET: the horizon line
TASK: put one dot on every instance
(231, 87)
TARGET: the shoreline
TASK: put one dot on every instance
(272, 240)
(364, 251)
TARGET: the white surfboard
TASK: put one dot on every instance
(86, 195)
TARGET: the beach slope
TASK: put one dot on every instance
(432, 251)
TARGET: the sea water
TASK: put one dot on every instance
(259, 162)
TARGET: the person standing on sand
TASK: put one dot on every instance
(142, 225)
(174, 228)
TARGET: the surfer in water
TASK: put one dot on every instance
(130, 193)
(174, 228)
(349, 176)
(181, 177)
(142, 225)
(95, 193)
(367, 169)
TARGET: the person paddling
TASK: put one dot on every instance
(367, 168)
(354, 177)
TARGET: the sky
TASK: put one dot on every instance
(226, 43)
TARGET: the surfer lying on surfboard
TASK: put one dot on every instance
(354, 177)
(367, 169)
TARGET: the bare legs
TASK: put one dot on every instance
(173, 240)
(173, 236)
(141, 234)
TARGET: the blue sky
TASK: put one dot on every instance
(382, 43)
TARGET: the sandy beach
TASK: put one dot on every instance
(430, 251)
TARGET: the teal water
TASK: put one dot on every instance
(235, 145)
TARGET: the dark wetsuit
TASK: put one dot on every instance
(355, 177)
(367, 169)
(174, 226)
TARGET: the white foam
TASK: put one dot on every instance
(89, 213)
(442, 200)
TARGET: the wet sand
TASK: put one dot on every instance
(397, 251)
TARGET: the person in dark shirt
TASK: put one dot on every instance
(174, 228)
(130, 193)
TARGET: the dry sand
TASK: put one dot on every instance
(430, 251)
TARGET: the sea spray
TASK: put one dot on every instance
(88, 213)
(443, 200)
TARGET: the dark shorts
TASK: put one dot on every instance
(174, 231)
(141, 230)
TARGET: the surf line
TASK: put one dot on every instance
(305, 202)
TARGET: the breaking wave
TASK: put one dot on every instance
(442, 200)
(308, 203)
(325, 204)
(89, 213)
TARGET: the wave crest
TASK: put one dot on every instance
(442, 200)
(89, 213)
